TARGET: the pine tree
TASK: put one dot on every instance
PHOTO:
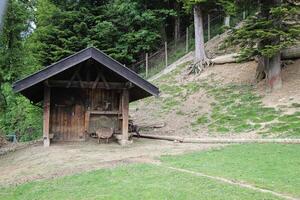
(123, 29)
(274, 28)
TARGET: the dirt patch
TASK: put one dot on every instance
(36, 162)
(240, 73)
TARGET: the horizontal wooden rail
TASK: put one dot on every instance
(219, 140)
(99, 112)
(85, 84)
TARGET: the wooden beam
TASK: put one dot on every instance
(46, 117)
(96, 81)
(100, 112)
(86, 84)
(72, 78)
(125, 115)
(87, 121)
(103, 78)
(80, 80)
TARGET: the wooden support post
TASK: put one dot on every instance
(46, 117)
(187, 40)
(244, 14)
(147, 65)
(125, 116)
(166, 53)
(227, 21)
(208, 27)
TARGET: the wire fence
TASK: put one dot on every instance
(214, 24)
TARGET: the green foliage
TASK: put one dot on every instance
(20, 117)
(122, 29)
(17, 115)
(11, 47)
(270, 31)
(227, 6)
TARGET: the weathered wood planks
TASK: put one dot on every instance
(46, 117)
(125, 110)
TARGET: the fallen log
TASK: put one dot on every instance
(154, 125)
(290, 53)
(160, 137)
(234, 140)
(229, 58)
(218, 140)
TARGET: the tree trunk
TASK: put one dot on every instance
(3, 4)
(273, 73)
(260, 70)
(177, 22)
(273, 70)
(271, 66)
(163, 32)
(199, 34)
(177, 28)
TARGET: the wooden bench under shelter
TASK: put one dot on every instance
(87, 92)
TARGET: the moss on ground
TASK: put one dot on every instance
(238, 110)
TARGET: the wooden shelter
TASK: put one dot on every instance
(83, 93)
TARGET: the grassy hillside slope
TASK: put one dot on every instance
(224, 101)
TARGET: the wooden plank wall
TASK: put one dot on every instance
(69, 107)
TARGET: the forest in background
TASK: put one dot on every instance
(37, 33)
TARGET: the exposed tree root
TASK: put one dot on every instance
(199, 66)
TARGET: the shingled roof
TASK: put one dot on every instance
(32, 86)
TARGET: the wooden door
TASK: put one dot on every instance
(67, 115)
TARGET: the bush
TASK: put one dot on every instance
(20, 117)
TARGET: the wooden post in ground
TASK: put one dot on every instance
(147, 65)
(46, 116)
(227, 21)
(125, 116)
(187, 40)
(244, 14)
(166, 54)
(208, 27)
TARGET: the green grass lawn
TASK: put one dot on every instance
(130, 182)
(270, 166)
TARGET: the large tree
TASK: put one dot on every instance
(201, 7)
(264, 35)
